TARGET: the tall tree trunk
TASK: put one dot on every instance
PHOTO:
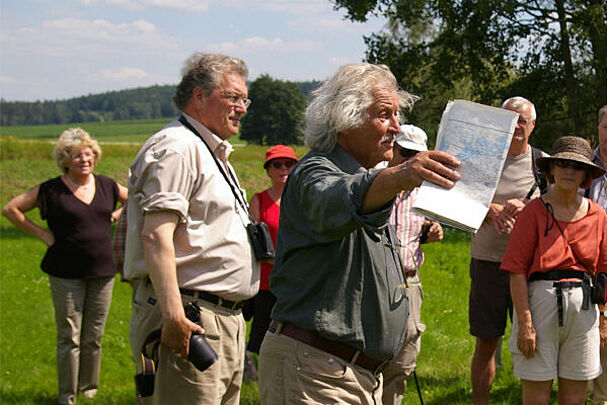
(598, 34)
(570, 82)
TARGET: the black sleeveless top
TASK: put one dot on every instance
(83, 241)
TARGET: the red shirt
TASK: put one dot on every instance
(269, 213)
(531, 249)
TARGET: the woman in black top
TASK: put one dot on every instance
(79, 208)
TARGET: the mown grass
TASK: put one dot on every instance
(27, 331)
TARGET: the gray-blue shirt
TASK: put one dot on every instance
(338, 272)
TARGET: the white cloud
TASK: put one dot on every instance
(76, 38)
(190, 5)
(124, 75)
(258, 44)
(7, 80)
(299, 7)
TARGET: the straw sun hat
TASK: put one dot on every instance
(571, 148)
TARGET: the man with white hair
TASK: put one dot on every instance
(490, 300)
(412, 231)
(338, 280)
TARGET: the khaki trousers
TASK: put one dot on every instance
(177, 380)
(291, 372)
(81, 309)
(402, 365)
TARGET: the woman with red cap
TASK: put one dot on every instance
(265, 207)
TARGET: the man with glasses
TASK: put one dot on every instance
(412, 230)
(490, 300)
(186, 242)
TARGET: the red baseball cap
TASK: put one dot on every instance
(279, 152)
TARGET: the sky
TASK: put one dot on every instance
(58, 49)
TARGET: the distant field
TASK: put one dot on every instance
(113, 131)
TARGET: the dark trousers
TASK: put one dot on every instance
(263, 303)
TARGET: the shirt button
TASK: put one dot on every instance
(298, 368)
(331, 361)
(306, 354)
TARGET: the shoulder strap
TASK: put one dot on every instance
(551, 212)
(239, 197)
(540, 178)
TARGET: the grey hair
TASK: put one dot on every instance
(70, 139)
(602, 112)
(205, 70)
(518, 102)
(342, 102)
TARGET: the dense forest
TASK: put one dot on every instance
(140, 103)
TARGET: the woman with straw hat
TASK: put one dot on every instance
(558, 241)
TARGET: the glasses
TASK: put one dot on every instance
(237, 99)
(277, 164)
(406, 153)
(564, 164)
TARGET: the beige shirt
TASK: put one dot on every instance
(174, 171)
(515, 182)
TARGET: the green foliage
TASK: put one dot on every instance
(551, 52)
(276, 113)
(140, 103)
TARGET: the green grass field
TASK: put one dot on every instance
(27, 330)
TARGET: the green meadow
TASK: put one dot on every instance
(27, 330)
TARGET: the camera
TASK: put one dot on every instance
(259, 235)
(201, 354)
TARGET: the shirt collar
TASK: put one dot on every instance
(221, 148)
(344, 160)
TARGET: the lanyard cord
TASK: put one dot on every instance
(239, 197)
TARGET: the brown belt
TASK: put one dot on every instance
(340, 350)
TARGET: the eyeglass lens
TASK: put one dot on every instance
(276, 164)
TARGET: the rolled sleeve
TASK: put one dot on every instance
(331, 199)
(165, 181)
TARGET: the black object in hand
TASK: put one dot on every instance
(201, 354)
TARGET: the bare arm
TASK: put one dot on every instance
(433, 166)
(527, 338)
(255, 208)
(15, 211)
(159, 252)
(123, 194)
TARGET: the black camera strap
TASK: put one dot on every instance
(239, 197)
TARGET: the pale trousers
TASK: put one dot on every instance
(81, 309)
(402, 365)
(177, 381)
(291, 372)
